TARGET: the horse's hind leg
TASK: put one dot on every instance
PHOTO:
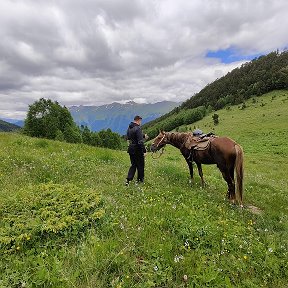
(199, 166)
(231, 185)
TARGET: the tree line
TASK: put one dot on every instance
(48, 119)
(175, 120)
(252, 79)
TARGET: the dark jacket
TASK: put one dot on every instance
(136, 138)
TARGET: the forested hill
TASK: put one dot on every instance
(253, 78)
(7, 127)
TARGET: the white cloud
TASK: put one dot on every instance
(100, 51)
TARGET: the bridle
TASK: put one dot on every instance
(161, 140)
(162, 150)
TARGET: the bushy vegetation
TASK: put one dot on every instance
(252, 79)
(33, 215)
(103, 138)
(167, 233)
(48, 119)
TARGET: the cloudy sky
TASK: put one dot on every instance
(93, 52)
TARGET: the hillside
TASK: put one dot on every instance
(68, 221)
(117, 116)
(252, 79)
(17, 122)
(7, 127)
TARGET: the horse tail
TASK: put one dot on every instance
(239, 171)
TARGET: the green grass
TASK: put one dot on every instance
(107, 235)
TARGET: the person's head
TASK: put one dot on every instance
(138, 119)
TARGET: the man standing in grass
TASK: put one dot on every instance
(136, 150)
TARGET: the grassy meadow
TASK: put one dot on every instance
(67, 220)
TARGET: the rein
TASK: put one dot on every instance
(159, 155)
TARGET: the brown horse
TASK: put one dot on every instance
(222, 151)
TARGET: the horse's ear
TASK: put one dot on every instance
(162, 131)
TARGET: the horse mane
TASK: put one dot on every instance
(177, 137)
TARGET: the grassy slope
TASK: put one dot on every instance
(154, 235)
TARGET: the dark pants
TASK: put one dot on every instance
(137, 162)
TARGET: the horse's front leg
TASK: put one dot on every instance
(190, 170)
(199, 166)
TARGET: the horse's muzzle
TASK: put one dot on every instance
(153, 148)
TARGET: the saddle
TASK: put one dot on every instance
(199, 143)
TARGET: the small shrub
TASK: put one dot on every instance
(42, 143)
(106, 157)
(215, 118)
(243, 106)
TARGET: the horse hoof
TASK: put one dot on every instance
(232, 201)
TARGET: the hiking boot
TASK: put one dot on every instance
(127, 183)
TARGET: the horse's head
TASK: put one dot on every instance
(159, 142)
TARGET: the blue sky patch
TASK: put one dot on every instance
(230, 55)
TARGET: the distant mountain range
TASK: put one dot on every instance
(7, 127)
(17, 122)
(117, 116)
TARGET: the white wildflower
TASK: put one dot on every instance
(178, 258)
